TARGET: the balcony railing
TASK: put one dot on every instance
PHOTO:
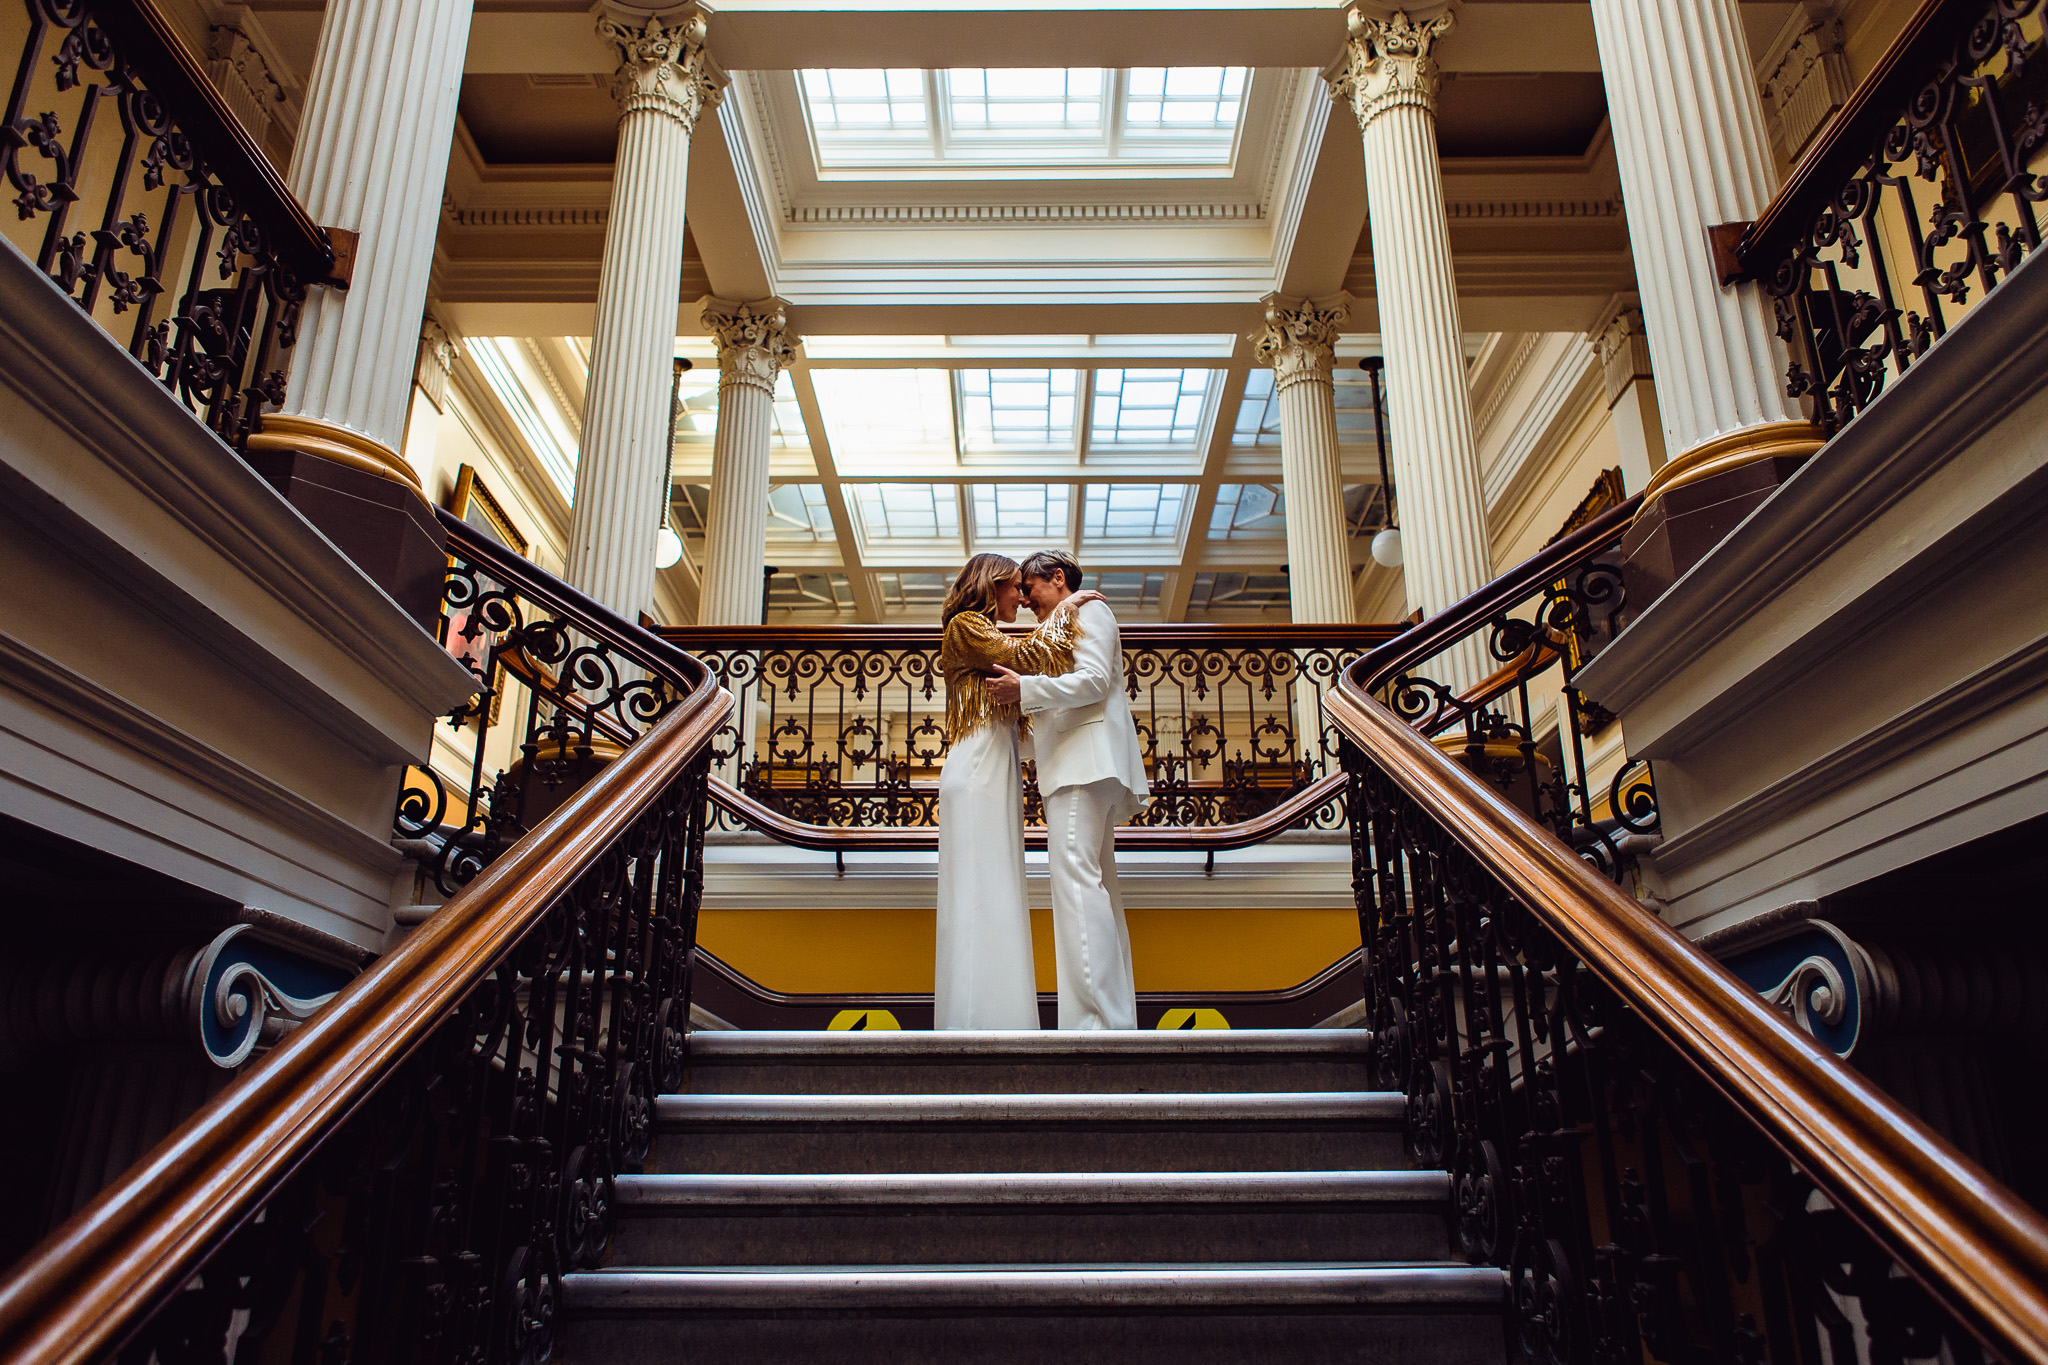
(844, 726)
(1916, 202)
(143, 199)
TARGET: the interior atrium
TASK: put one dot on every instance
(511, 778)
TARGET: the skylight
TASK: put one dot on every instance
(510, 372)
(906, 511)
(1036, 512)
(1246, 510)
(697, 423)
(1018, 407)
(1021, 115)
(1148, 407)
(1133, 511)
(887, 413)
(798, 515)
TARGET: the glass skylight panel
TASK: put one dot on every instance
(1258, 416)
(1208, 98)
(1037, 512)
(1033, 101)
(1148, 407)
(1354, 405)
(1245, 510)
(906, 511)
(1133, 511)
(1018, 407)
(815, 592)
(886, 412)
(909, 591)
(797, 514)
(861, 103)
(1237, 592)
(1131, 591)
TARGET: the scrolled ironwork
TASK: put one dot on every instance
(193, 256)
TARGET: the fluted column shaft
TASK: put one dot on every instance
(1299, 341)
(1390, 81)
(665, 82)
(372, 157)
(753, 348)
(1693, 152)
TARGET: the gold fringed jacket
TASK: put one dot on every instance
(974, 645)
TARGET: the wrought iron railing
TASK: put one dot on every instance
(1667, 1168)
(1913, 205)
(1540, 622)
(410, 1173)
(844, 726)
(140, 195)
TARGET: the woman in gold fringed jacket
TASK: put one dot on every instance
(986, 978)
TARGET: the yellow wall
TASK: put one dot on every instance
(877, 951)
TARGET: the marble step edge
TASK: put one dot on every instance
(1435, 1288)
(652, 1194)
(1371, 1107)
(708, 1045)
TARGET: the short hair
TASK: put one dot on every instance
(975, 589)
(1046, 563)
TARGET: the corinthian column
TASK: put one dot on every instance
(753, 347)
(665, 82)
(1390, 81)
(371, 158)
(1299, 341)
(1690, 141)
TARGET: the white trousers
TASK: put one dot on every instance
(1090, 941)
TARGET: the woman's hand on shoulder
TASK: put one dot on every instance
(1081, 599)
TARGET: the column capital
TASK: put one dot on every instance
(1388, 61)
(754, 342)
(663, 62)
(1621, 344)
(1299, 339)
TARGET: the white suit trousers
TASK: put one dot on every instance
(1090, 941)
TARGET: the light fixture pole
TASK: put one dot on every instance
(1386, 546)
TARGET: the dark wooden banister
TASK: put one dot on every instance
(1852, 134)
(911, 838)
(1979, 1249)
(94, 1280)
(170, 71)
(1149, 635)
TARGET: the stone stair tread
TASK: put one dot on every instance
(1322, 1106)
(1025, 1189)
(1263, 1287)
(722, 1045)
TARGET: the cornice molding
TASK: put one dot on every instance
(1091, 214)
(754, 342)
(1388, 63)
(526, 217)
(1299, 339)
(663, 66)
(1526, 209)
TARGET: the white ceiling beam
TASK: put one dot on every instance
(1230, 397)
(867, 601)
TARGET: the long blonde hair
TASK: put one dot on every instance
(975, 588)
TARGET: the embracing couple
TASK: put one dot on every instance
(1060, 691)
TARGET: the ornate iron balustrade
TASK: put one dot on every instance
(1915, 203)
(406, 1177)
(579, 695)
(147, 203)
(845, 725)
(1666, 1167)
(1548, 617)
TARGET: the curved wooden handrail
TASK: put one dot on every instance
(1976, 1246)
(925, 838)
(1852, 134)
(1136, 634)
(1467, 615)
(97, 1277)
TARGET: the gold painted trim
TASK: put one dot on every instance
(1455, 744)
(1731, 451)
(314, 437)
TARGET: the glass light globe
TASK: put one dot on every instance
(668, 549)
(1386, 548)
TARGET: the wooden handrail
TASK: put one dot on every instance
(1980, 1250)
(1467, 615)
(95, 1279)
(914, 838)
(1852, 134)
(152, 46)
(1139, 634)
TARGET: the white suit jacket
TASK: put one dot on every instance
(1081, 722)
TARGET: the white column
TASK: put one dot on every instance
(1693, 153)
(1390, 81)
(1299, 341)
(753, 348)
(664, 83)
(1624, 354)
(372, 157)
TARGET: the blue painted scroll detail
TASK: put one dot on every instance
(241, 984)
(1817, 975)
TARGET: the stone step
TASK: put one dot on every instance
(988, 1062)
(683, 1220)
(1147, 1315)
(885, 1134)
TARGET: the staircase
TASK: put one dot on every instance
(1183, 1197)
